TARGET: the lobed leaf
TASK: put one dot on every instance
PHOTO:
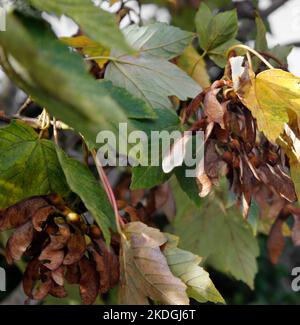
(184, 265)
(144, 269)
(158, 39)
(28, 165)
(235, 249)
(68, 92)
(101, 26)
(82, 182)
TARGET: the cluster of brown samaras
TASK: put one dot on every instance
(60, 246)
(257, 169)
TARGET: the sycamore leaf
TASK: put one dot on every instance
(43, 55)
(188, 185)
(261, 45)
(290, 143)
(185, 265)
(216, 33)
(149, 75)
(28, 165)
(219, 54)
(150, 176)
(235, 249)
(158, 39)
(101, 26)
(82, 182)
(144, 269)
(194, 65)
(270, 96)
(151, 78)
(88, 47)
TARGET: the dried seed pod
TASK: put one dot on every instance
(76, 247)
(89, 281)
(19, 242)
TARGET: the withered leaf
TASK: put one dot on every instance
(162, 193)
(276, 241)
(58, 240)
(41, 216)
(72, 275)
(31, 275)
(164, 200)
(213, 109)
(144, 269)
(42, 289)
(51, 258)
(20, 213)
(136, 196)
(107, 266)
(19, 241)
(58, 291)
(102, 268)
(89, 281)
(296, 230)
(58, 275)
(275, 177)
(76, 248)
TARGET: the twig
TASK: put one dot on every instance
(33, 122)
(273, 57)
(24, 106)
(109, 192)
(276, 4)
(247, 48)
(85, 153)
(55, 135)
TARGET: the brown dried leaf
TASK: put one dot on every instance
(136, 196)
(89, 281)
(72, 275)
(31, 275)
(276, 241)
(132, 212)
(213, 109)
(204, 183)
(296, 230)
(58, 275)
(19, 242)
(58, 291)
(59, 239)
(76, 248)
(102, 268)
(21, 212)
(107, 265)
(162, 193)
(52, 259)
(275, 178)
(42, 289)
(144, 269)
(41, 216)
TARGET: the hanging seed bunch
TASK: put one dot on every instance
(60, 247)
(257, 169)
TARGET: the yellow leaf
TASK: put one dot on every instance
(194, 65)
(290, 143)
(88, 47)
(112, 2)
(270, 96)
